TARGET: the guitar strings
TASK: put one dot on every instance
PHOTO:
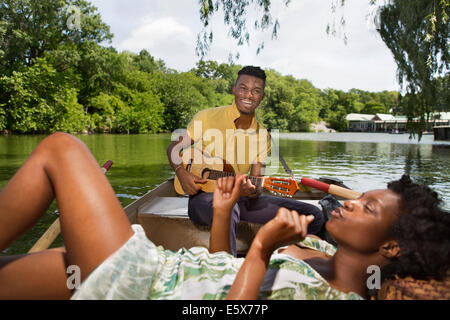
(215, 174)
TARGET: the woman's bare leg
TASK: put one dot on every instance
(40, 275)
(93, 222)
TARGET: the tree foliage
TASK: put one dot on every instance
(417, 33)
(235, 16)
(56, 78)
(29, 28)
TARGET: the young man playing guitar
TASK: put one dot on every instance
(226, 132)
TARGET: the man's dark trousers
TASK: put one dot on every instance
(259, 210)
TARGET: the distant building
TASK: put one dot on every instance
(388, 123)
(360, 122)
(382, 122)
(441, 118)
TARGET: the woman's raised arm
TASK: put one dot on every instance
(287, 227)
(226, 194)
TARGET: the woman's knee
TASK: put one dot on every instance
(61, 141)
(60, 147)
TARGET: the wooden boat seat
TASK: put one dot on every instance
(166, 223)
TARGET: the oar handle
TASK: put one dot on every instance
(106, 166)
(330, 188)
(55, 228)
(343, 192)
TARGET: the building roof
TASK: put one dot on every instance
(383, 117)
(359, 117)
(389, 118)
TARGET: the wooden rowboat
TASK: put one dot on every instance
(163, 215)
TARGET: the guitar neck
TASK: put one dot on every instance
(214, 175)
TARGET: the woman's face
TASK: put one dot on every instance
(363, 224)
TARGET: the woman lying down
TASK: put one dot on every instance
(401, 230)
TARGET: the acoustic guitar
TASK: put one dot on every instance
(213, 168)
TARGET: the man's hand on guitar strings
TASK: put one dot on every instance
(189, 182)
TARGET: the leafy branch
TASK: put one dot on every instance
(236, 18)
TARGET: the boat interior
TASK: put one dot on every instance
(163, 215)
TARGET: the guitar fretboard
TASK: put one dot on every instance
(214, 175)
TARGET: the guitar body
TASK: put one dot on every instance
(202, 169)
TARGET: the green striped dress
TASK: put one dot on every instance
(141, 270)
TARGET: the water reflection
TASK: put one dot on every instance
(362, 161)
(367, 165)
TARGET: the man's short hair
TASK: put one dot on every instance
(253, 71)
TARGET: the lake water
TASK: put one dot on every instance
(364, 161)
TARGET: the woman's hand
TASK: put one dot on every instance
(225, 196)
(286, 228)
(227, 193)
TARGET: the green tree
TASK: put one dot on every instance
(98, 68)
(373, 107)
(146, 63)
(41, 99)
(41, 57)
(289, 104)
(224, 75)
(442, 93)
(336, 119)
(31, 28)
(103, 109)
(417, 34)
(277, 108)
(180, 96)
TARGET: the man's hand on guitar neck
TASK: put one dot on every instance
(248, 189)
(189, 181)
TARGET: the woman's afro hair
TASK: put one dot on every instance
(422, 231)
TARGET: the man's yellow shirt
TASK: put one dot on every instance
(214, 132)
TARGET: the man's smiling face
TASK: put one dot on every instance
(248, 93)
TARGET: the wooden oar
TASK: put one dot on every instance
(55, 228)
(325, 187)
(330, 188)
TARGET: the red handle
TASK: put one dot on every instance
(322, 186)
(107, 165)
(332, 189)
